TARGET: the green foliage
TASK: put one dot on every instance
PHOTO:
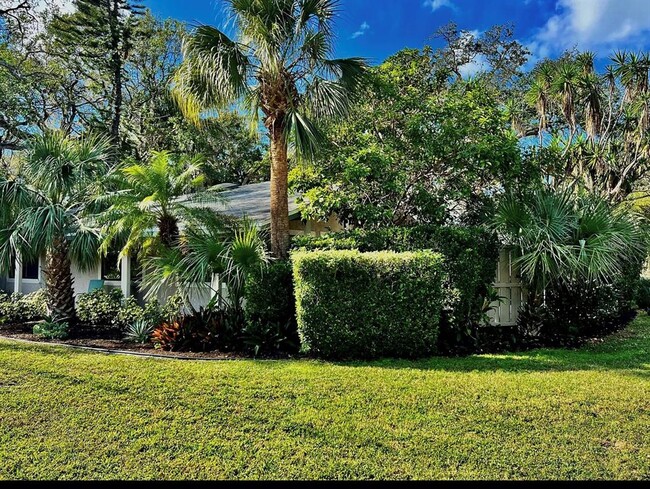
(269, 294)
(141, 196)
(412, 154)
(470, 254)
(368, 305)
(108, 309)
(643, 294)
(22, 308)
(99, 308)
(209, 245)
(139, 331)
(270, 337)
(563, 238)
(51, 330)
(204, 330)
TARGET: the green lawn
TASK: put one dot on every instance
(540, 414)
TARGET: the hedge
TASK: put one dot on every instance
(470, 253)
(368, 305)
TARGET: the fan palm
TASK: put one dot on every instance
(148, 198)
(278, 65)
(209, 246)
(42, 209)
(563, 238)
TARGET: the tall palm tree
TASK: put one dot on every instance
(147, 197)
(278, 65)
(43, 204)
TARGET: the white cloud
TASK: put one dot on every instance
(363, 28)
(593, 24)
(476, 66)
(64, 6)
(437, 4)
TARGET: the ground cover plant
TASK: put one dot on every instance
(549, 413)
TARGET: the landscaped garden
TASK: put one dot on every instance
(350, 271)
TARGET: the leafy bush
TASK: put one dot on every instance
(206, 330)
(269, 294)
(367, 305)
(139, 331)
(108, 309)
(470, 254)
(270, 310)
(99, 308)
(51, 330)
(270, 337)
(643, 294)
(22, 308)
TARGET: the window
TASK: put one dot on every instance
(30, 270)
(111, 269)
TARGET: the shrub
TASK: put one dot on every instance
(470, 254)
(367, 305)
(269, 294)
(139, 331)
(270, 337)
(205, 330)
(643, 294)
(51, 330)
(23, 308)
(99, 308)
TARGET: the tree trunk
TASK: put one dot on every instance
(59, 282)
(116, 58)
(168, 230)
(279, 192)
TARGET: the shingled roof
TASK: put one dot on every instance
(251, 200)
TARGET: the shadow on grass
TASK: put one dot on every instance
(627, 350)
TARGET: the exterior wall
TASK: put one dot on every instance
(300, 227)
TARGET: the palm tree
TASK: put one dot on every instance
(148, 198)
(208, 246)
(43, 204)
(278, 65)
(563, 238)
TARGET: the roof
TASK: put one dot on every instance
(252, 200)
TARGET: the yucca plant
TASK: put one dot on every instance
(278, 66)
(43, 206)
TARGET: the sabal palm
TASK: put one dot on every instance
(43, 206)
(563, 238)
(277, 65)
(209, 246)
(145, 199)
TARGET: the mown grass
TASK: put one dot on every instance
(540, 414)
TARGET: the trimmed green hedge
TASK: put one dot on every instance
(368, 305)
(470, 254)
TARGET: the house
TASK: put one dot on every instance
(250, 200)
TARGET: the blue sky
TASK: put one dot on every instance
(379, 28)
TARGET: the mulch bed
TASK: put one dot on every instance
(107, 340)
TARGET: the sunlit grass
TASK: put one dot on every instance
(541, 414)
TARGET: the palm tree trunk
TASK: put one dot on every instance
(59, 281)
(279, 192)
(168, 230)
